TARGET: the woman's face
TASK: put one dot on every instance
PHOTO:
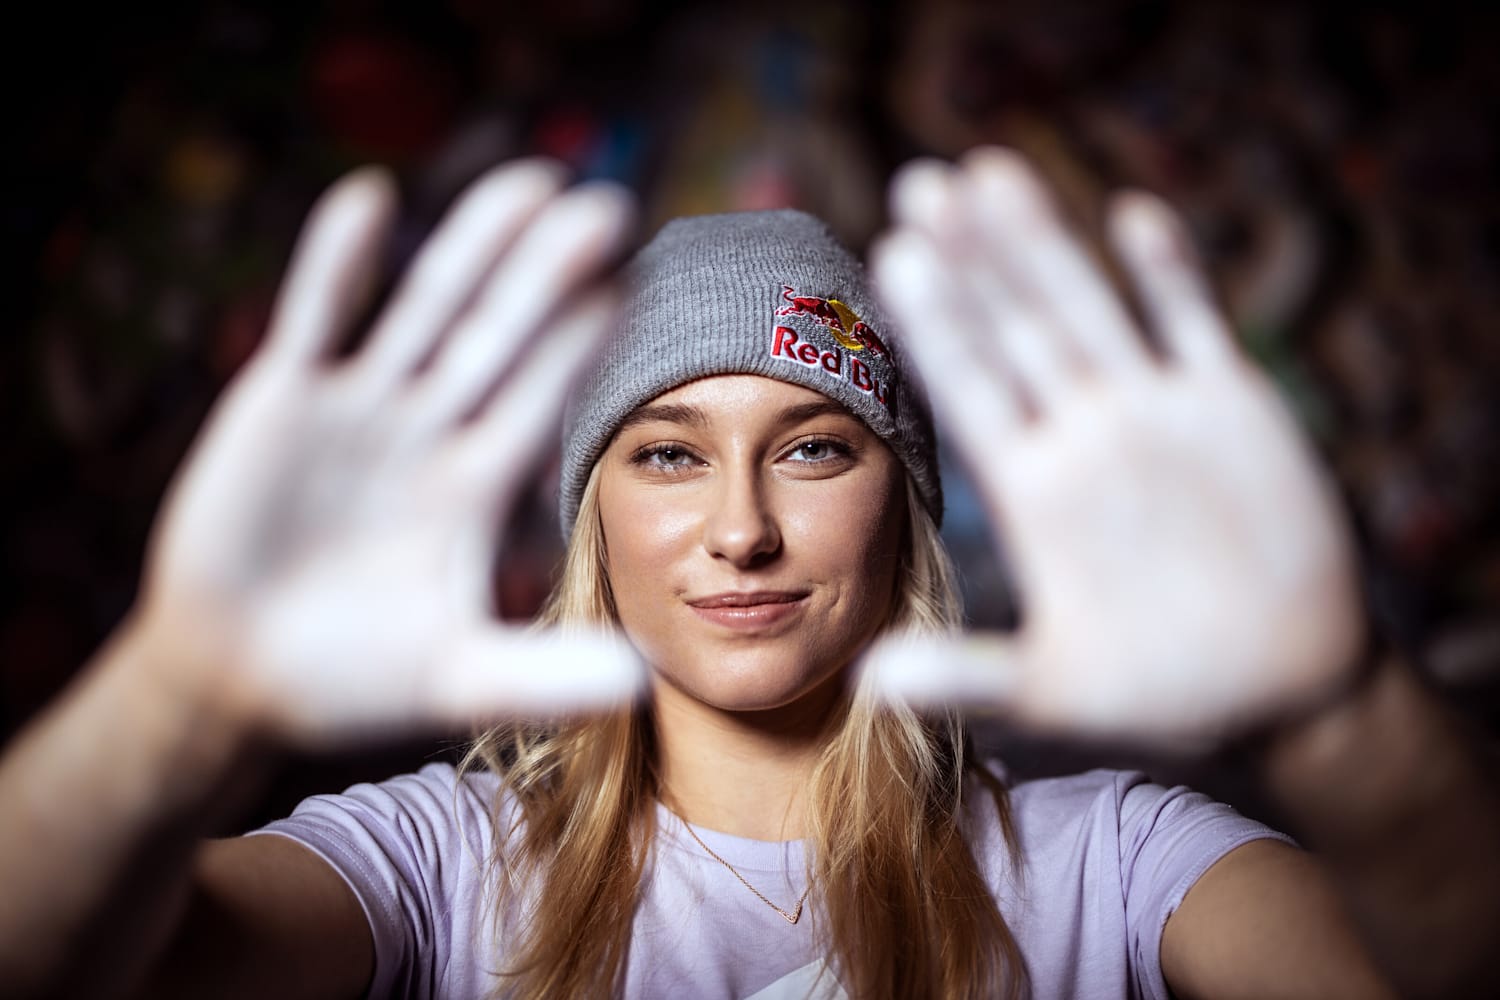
(753, 531)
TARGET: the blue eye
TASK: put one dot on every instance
(664, 456)
(669, 456)
(818, 450)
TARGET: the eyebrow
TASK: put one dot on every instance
(692, 416)
(671, 413)
(820, 408)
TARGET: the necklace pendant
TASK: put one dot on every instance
(790, 918)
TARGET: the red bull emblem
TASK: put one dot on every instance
(847, 330)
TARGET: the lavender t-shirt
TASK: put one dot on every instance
(1107, 857)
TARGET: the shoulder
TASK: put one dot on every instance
(1108, 799)
(436, 797)
(1148, 839)
(1126, 802)
(1104, 857)
(420, 834)
(414, 850)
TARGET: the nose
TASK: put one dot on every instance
(740, 526)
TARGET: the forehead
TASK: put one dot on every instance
(744, 395)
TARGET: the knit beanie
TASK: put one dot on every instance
(759, 293)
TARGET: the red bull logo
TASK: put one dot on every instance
(847, 328)
(848, 331)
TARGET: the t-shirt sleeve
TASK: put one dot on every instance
(1168, 838)
(407, 847)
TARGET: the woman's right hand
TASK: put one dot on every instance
(322, 565)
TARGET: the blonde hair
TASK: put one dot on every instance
(903, 909)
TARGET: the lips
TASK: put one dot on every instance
(748, 610)
(747, 599)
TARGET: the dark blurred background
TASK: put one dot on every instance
(1338, 169)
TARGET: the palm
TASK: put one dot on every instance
(1181, 566)
(345, 568)
(1178, 558)
(337, 523)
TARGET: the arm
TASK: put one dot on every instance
(105, 794)
(319, 575)
(103, 866)
(1266, 923)
(266, 917)
(1401, 803)
(1402, 813)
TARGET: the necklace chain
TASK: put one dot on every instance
(790, 918)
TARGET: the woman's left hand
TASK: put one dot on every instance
(1182, 564)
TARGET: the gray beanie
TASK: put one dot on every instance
(758, 293)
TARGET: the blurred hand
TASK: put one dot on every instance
(1182, 567)
(322, 565)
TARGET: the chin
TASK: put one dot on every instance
(736, 682)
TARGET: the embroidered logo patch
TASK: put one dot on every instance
(851, 337)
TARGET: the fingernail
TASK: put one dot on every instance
(1007, 182)
(920, 194)
(904, 266)
(1145, 222)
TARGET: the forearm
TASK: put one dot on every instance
(104, 798)
(1403, 806)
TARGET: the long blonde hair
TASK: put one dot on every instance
(903, 909)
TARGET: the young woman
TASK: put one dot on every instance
(750, 492)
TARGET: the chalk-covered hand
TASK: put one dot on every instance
(322, 566)
(1182, 566)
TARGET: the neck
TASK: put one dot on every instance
(742, 773)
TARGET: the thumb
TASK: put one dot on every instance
(976, 669)
(510, 671)
(993, 671)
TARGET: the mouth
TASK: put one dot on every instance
(749, 610)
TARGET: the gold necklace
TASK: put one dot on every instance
(790, 918)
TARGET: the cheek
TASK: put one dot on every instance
(643, 538)
(853, 538)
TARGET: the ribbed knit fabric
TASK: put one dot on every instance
(759, 293)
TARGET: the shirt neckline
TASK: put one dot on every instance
(774, 856)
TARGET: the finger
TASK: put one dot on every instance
(563, 250)
(452, 267)
(989, 671)
(978, 405)
(1031, 348)
(1159, 258)
(919, 194)
(1014, 213)
(334, 267)
(521, 420)
(975, 669)
(522, 671)
(924, 197)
